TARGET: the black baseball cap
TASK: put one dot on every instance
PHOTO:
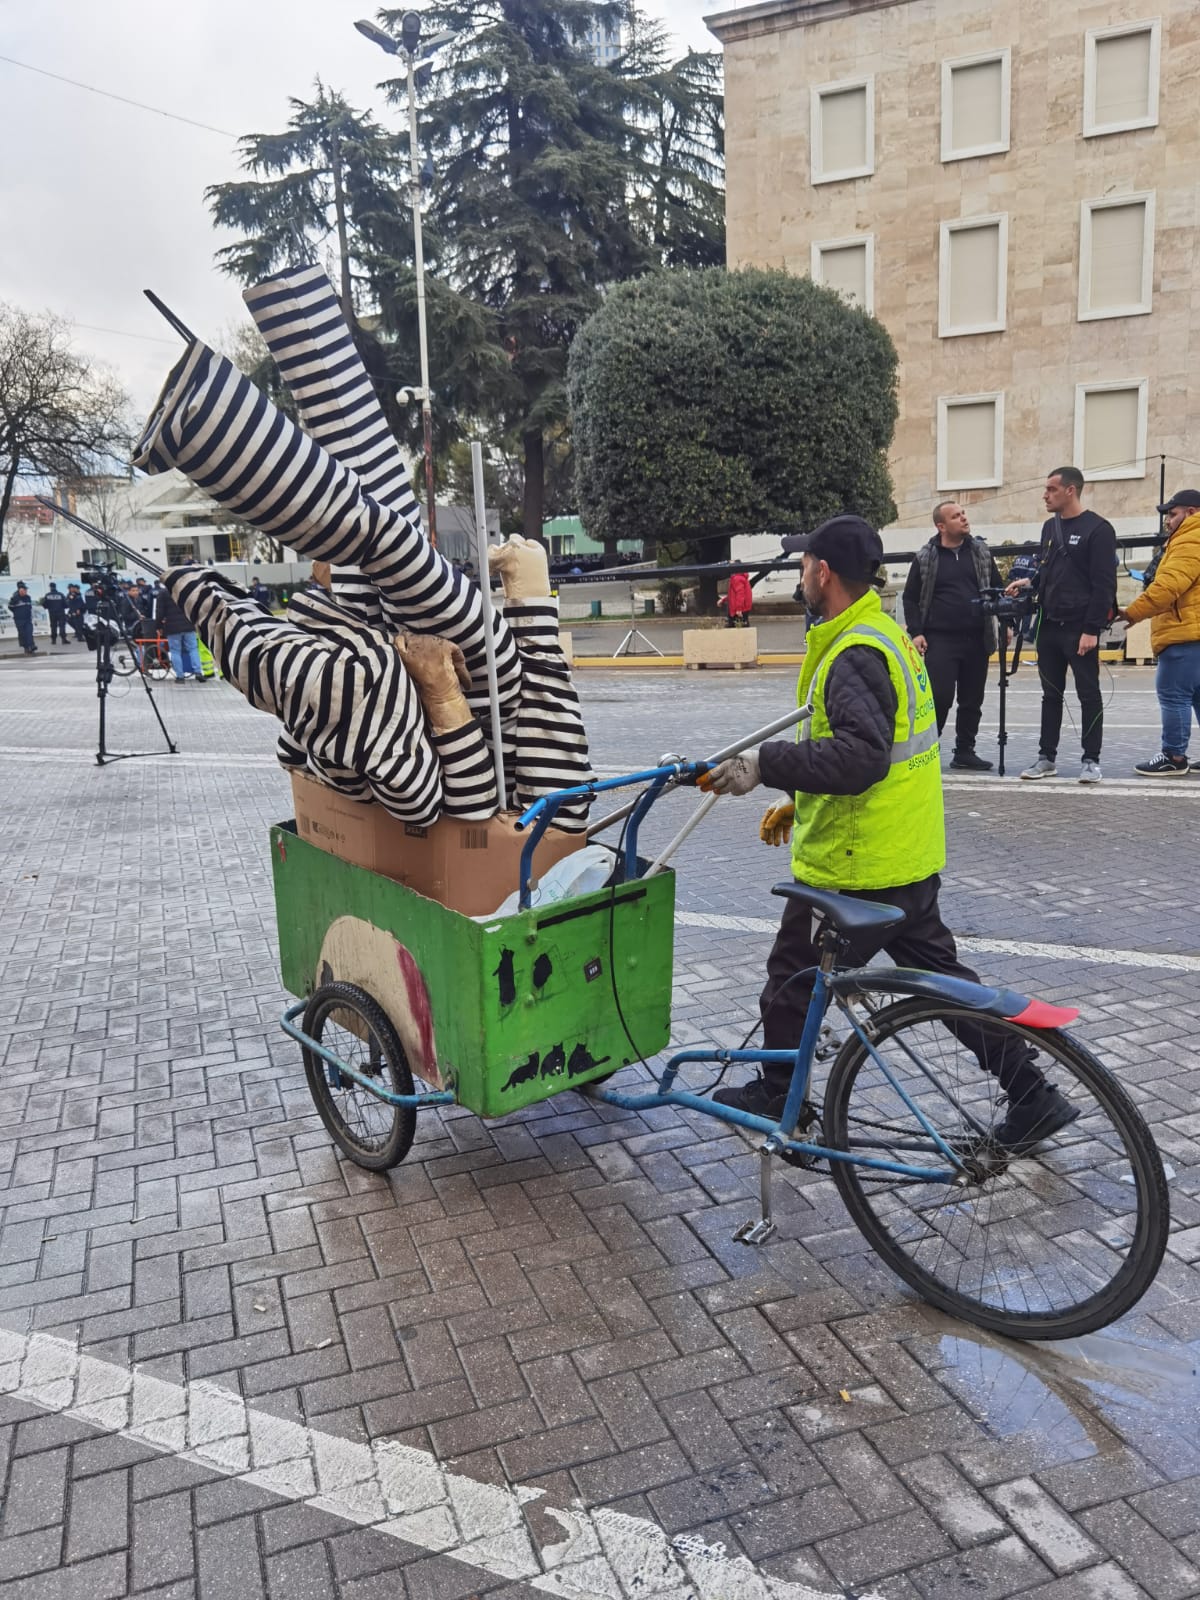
(849, 544)
(1185, 497)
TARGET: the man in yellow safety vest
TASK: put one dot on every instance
(867, 817)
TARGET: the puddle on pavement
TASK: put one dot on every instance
(1075, 1391)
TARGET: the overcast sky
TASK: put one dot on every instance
(99, 200)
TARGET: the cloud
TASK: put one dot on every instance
(101, 200)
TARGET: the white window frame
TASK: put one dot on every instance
(945, 329)
(1091, 128)
(868, 239)
(1110, 474)
(1004, 57)
(1105, 203)
(947, 403)
(843, 86)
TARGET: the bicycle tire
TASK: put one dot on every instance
(342, 1109)
(1079, 1166)
(123, 658)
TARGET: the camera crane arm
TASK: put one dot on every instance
(115, 545)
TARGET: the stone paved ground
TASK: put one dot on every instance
(550, 1301)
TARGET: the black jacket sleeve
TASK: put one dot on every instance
(1102, 575)
(861, 706)
(912, 599)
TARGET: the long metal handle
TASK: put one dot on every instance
(693, 822)
(800, 714)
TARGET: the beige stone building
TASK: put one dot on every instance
(1012, 187)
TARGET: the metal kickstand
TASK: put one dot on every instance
(759, 1232)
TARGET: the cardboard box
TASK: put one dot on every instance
(469, 866)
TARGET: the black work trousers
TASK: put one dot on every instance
(1058, 649)
(922, 940)
(58, 629)
(957, 664)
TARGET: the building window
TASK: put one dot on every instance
(1116, 256)
(843, 130)
(847, 265)
(970, 441)
(1110, 429)
(973, 276)
(1120, 78)
(975, 99)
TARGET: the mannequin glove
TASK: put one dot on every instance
(776, 825)
(523, 568)
(439, 670)
(738, 775)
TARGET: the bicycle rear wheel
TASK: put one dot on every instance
(1048, 1244)
(124, 658)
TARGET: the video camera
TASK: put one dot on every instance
(1011, 608)
(103, 578)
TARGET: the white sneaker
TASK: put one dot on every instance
(1041, 768)
(1090, 772)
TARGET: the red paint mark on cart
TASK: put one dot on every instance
(282, 851)
(418, 1005)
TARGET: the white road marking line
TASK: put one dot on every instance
(990, 947)
(392, 1488)
(1189, 788)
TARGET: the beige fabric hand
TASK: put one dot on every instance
(323, 574)
(776, 825)
(439, 671)
(523, 568)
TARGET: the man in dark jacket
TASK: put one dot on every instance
(21, 606)
(76, 611)
(181, 637)
(260, 592)
(943, 616)
(1076, 586)
(54, 605)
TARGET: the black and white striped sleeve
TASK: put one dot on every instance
(547, 746)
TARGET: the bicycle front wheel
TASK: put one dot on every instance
(1049, 1240)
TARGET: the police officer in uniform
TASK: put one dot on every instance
(76, 611)
(54, 605)
(866, 819)
(21, 606)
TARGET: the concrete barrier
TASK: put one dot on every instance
(732, 648)
(1137, 642)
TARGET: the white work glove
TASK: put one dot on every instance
(738, 775)
(523, 568)
(776, 825)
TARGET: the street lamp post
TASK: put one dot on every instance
(410, 37)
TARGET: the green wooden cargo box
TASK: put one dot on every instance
(501, 1012)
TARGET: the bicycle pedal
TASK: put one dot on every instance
(755, 1232)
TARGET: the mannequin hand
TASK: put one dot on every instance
(776, 825)
(439, 671)
(523, 568)
(323, 574)
(738, 775)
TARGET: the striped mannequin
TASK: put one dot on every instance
(351, 714)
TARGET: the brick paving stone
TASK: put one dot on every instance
(162, 1540)
(101, 1579)
(98, 1516)
(1144, 1553)
(228, 1565)
(36, 1492)
(26, 1553)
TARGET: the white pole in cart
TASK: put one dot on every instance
(489, 639)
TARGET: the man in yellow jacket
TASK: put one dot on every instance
(1172, 602)
(866, 815)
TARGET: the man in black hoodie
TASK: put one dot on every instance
(1076, 586)
(181, 637)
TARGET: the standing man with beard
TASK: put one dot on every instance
(943, 616)
(867, 820)
(1076, 587)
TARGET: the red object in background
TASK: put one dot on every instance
(740, 597)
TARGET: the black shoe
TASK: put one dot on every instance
(1163, 766)
(757, 1097)
(968, 761)
(1034, 1118)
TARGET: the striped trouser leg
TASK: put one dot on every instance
(546, 743)
(214, 425)
(351, 715)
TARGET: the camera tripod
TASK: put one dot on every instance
(1007, 671)
(628, 645)
(107, 626)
